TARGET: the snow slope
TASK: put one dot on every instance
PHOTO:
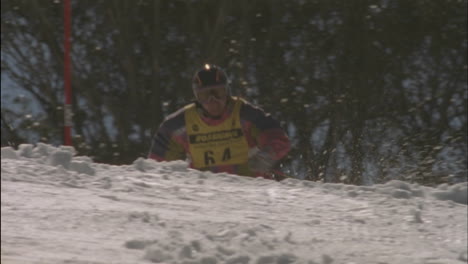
(61, 208)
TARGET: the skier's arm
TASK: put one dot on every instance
(267, 133)
(167, 143)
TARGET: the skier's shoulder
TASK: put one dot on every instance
(250, 110)
(257, 115)
(176, 120)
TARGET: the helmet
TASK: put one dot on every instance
(210, 75)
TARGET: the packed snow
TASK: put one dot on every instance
(57, 207)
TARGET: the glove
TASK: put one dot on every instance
(260, 160)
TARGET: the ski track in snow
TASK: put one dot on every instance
(60, 208)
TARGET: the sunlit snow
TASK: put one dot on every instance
(57, 207)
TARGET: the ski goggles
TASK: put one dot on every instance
(218, 92)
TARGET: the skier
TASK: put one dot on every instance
(220, 132)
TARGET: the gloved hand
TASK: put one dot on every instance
(260, 160)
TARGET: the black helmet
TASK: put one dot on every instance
(210, 75)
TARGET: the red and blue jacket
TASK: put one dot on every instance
(219, 144)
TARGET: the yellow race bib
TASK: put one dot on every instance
(218, 145)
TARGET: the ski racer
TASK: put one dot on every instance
(220, 132)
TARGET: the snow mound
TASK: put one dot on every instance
(61, 208)
(457, 193)
(64, 158)
(9, 153)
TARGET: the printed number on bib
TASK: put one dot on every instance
(210, 159)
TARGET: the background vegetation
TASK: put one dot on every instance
(368, 90)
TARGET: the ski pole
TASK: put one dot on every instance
(282, 174)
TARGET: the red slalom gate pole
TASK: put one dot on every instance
(67, 73)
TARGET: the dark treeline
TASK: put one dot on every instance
(367, 90)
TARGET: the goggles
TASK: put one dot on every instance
(218, 92)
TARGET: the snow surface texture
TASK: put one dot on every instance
(59, 208)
